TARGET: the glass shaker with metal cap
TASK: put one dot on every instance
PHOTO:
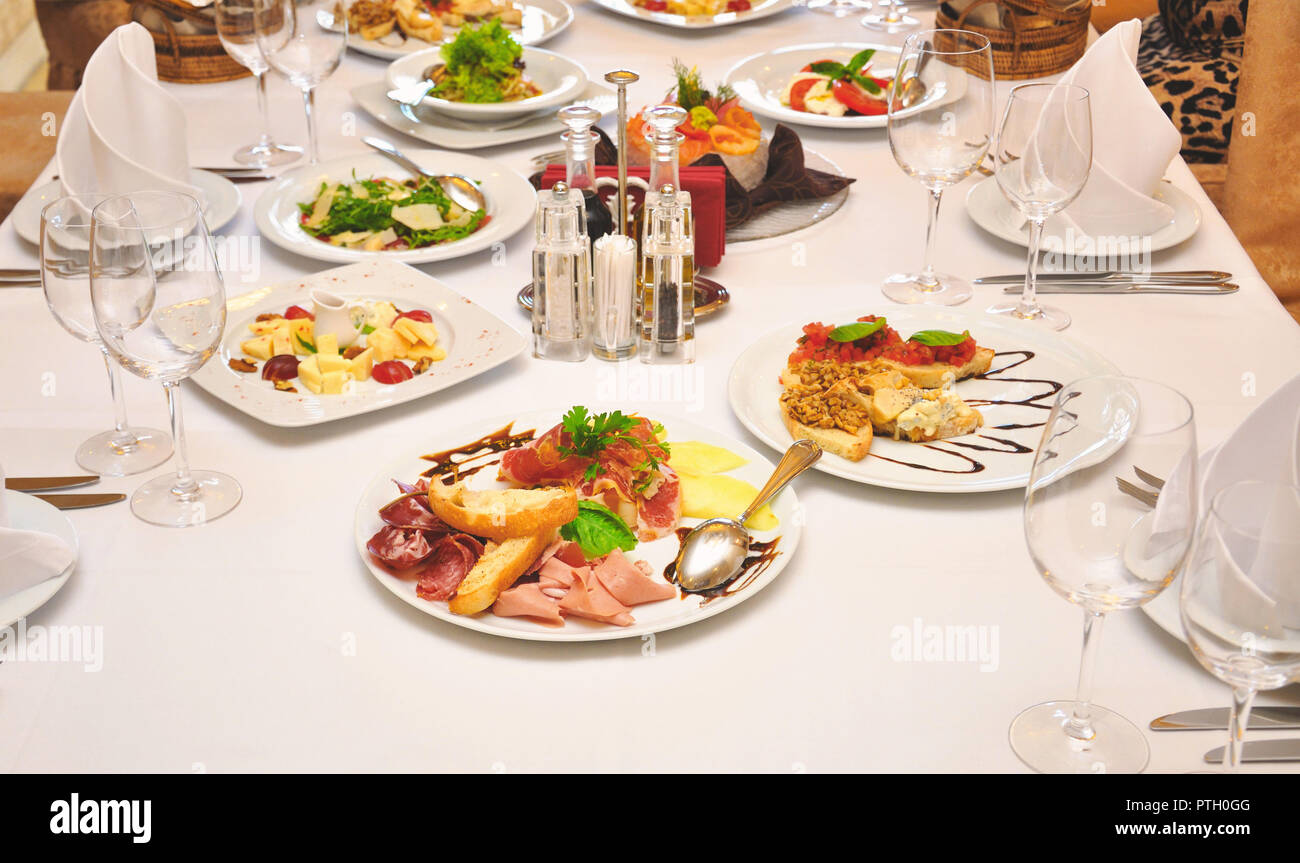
(667, 270)
(561, 276)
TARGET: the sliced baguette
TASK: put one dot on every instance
(496, 570)
(850, 445)
(503, 514)
(931, 376)
(887, 396)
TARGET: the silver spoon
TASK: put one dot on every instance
(459, 188)
(913, 89)
(715, 550)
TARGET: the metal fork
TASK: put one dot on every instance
(1136, 491)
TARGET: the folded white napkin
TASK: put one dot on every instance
(123, 132)
(1132, 143)
(26, 556)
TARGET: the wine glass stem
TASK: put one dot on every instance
(260, 77)
(123, 440)
(927, 279)
(309, 104)
(1029, 296)
(1242, 699)
(1079, 725)
(185, 488)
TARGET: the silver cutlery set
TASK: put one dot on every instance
(1118, 282)
(31, 484)
(1261, 719)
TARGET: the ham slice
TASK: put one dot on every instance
(527, 600)
(628, 584)
(593, 602)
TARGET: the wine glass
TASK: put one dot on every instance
(1044, 155)
(160, 307)
(238, 37)
(940, 127)
(65, 278)
(1103, 548)
(303, 40)
(838, 8)
(894, 18)
(1241, 595)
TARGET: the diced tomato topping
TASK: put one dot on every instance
(655, 5)
(415, 315)
(738, 5)
(295, 312)
(391, 372)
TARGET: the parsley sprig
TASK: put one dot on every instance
(590, 434)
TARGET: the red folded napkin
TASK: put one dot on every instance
(708, 187)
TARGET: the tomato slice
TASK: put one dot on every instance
(858, 100)
(415, 315)
(799, 90)
(391, 372)
(295, 312)
(808, 68)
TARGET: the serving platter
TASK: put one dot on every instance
(510, 204)
(542, 20)
(27, 512)
(476, 341)
(1016, 394)
(759, 9)
(649, 618)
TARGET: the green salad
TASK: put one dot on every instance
(482, 64)
(379, 214)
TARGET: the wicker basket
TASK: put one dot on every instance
(195, 57)
(1038, 38)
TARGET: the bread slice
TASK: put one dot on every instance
(931, 376)
(852, 445)
(503, 514)
(904, 411)
(496, 570)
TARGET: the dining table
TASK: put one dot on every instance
(260, 641)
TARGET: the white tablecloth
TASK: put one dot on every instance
(260, 642)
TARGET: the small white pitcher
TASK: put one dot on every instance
(338, 316)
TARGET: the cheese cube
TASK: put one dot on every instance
(362, 364)
(433, 352)
(302, 327)
(386, 344)
(263, 328)
(332, 382)
(309, 374)
(416, 332)
(332, 363)
(327, 343)
(282, 342)
(259, 347)
(381, 314)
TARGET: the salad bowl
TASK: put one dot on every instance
(560, 80)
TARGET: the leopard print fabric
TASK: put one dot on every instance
(1190, 57)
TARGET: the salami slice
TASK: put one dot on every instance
(412, 512)
(399, 548)
(452, 558)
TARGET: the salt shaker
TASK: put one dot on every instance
(561, 276)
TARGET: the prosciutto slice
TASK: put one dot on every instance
(657, 515)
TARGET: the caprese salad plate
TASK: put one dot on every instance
(697, 14)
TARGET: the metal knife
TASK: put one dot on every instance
(1206, 289)
(45, 483)
(1114, 276)
(79, 501)
(1261, 750)
(19, 274)
(1216, 719)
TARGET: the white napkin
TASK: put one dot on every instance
(26, 556)
(123, 132)
(1132, 143)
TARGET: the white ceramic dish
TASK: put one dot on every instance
(476, 341)
(429, 126)
(651, 617)
(510, 204)
(543, 20)
(222, 197)
(1028, 385)
(560, 80)
(990, 209)
(759, 9)
(31, 513)
(760, 80)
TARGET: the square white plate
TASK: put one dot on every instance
(475, 340)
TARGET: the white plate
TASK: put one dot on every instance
(222, 196)
(510, 203)
(759, 9)
(651, 617)
(991, 210)
(27, 512)
(429, 126)
(476, 341)
(543, 20)
(560, 79)
(753, 389)
(760, 80)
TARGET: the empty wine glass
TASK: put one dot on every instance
(239, 38)
(303, 40)
(1105, 545)
(838, 8)
(1241, 595)
(65, 278)
(892, 19)
(940, 127)
(1044, 155)
(160, 307)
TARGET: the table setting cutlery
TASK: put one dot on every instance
(1179, 277)
(1209, 290)
(1260, 750)
(80, 501)
(1217, 718)
(46, 483)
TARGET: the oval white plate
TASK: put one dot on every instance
(543, 20)
(560, 79)
(223, 200)
(651, 617)
(753, 389)
(991, 210)
(759, 9)
(31, 513)
(510, 203)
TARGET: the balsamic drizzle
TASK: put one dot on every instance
(760, 557)
(446, 465)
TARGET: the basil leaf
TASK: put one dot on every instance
(860, 59)
(857, 330)
(867, 84)
(939, 338)
(598, 530)
(828, 67)
(308, 346)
